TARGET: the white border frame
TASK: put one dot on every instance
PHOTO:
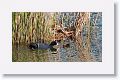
(104, 67)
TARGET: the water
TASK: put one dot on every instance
(22, 53)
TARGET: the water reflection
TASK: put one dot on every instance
(21, 53)
(63, 54)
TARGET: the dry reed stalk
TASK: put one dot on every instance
(83, 20)
(30, 27)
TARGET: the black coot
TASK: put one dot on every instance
(43, 46)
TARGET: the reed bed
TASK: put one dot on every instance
(84, 27)
(30, 27)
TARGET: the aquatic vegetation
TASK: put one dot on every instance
(80, 34)
(30, 27)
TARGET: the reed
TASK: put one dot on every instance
(30, 27)
(83, 41)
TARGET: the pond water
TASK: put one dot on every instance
(21, 53)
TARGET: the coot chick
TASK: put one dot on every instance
(43, 46)
(66, 46)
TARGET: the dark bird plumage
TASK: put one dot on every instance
(43, 46)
